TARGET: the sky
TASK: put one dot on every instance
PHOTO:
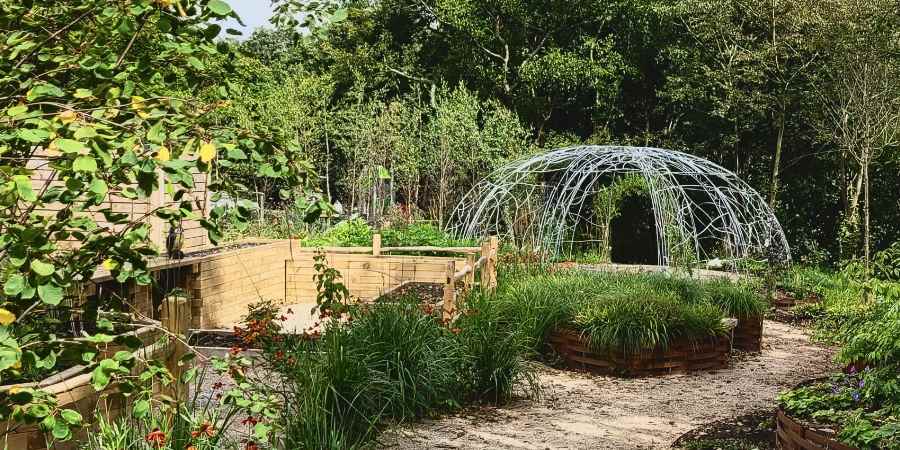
(254, 13)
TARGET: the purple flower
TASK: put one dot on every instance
(852, 369)
(862, 383)
(855, 396)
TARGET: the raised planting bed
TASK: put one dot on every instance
(792, 434)
(747, 334)
(786, 300)
(73, 390)
(679, 357)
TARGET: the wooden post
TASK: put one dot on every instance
(489, 276)
(449, 306)
(376, 244)
(470, 277)
(486, 254)
(176, 318)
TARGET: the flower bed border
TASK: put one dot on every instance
(680, 357)
(747, 334)
(793, 435)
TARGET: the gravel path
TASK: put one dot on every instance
(580, 411)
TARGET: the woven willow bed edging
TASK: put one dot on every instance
(793, 435)
(679, 357)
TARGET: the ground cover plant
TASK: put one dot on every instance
(862, 315)
(622, 312)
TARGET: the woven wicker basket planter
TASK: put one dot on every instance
(680, 357)
(73, 390)
(747, 334)
(793, 435)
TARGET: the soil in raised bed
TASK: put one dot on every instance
(754, 430)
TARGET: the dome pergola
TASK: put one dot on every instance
(701, 210)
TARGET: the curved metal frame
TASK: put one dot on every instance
(538, 200)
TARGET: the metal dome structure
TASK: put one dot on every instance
(701, 210)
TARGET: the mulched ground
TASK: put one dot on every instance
(755, 430)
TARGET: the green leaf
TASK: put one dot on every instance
(70, 146)
(99, 187)
(84, 164)
(339, 15)
(44, 90)
(83, 93)
(23, 188)
(32, 135)
(61, 430)
(14, 285)
(141, 408)
(85, 133)
(16, 110)
(50, 294)
(235, 153)
(157, 134)
(71, 416)
(195, 63)
(42, 268)
(219, 7)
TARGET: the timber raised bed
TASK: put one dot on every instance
(747, 335)
(73, 390)
(679, 357)
(794, 435)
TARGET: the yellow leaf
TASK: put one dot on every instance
(6, 317)
(207, 152)
(68, 116)
(163, 154)
(17, 364)
(137, 103)
(110, 264)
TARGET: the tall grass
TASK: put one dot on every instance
(622, 312)
(394, 363)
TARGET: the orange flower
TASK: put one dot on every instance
(156, 438)
(206, 430)
(251, 446)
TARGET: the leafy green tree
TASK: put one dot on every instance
(91, 106)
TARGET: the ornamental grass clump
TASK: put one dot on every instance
(646, 320)
(629, 313)
(393, 362)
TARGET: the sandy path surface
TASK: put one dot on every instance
(580, 411)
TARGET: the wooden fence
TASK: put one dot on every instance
(370, 272)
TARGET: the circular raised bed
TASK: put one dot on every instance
(679, 357)
(794, 435)
(73, 390)
(747, 334)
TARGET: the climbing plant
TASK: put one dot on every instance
(607, 206)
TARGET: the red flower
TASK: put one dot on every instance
(250, 420)
(283, 318)
(235, 350)
(218, 385)
(206, 430)
(251, 446)
(156, 438)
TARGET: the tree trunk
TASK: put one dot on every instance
(866, 232)
(776, 163)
